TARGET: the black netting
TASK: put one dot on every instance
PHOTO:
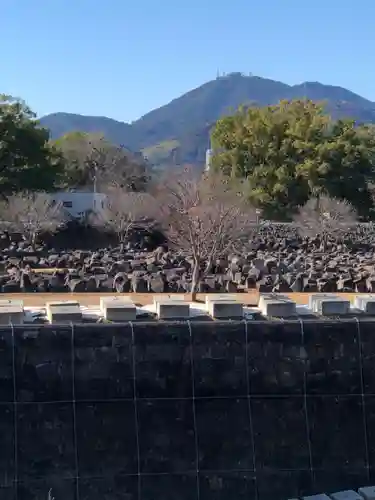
(187, 411)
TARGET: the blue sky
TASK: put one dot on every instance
(122, 58)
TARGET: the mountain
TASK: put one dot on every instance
(178, 132)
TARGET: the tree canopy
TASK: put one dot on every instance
(90, 160)
(27, 160)
(288, 153)
(30, 161)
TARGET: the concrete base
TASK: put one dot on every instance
(232, 297)
(345, 495)
(367, 492)
(11, 312)
(170, 309)
(174, 297)
(329, 305)
(320, 496)
(277, 306)
(224, 309)
(118, 309)
(63, 312)
(62, 303)
(11, 302)
(365, 303)
(11, 315)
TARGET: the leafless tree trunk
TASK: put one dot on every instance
(203, 216)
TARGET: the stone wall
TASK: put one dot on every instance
(187, 411)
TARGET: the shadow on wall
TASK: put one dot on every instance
(165, 411)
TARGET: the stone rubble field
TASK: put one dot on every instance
(276, 260)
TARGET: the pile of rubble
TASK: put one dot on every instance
(277, 260)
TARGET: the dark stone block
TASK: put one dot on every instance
(369, 404)
(43, 359)
(227, 485)
(224, 435)
(106, 438)
(6, 364)
(371, 474)
(6, 445)
(166, 436)
(337, 432)
(109, 488)
(45, 440)
(339, 479)
(219, 354)
(61, 489)
(275, 484)
(169, 487)
(332, 357)
(103, 363)
(280, 433)
(163, 360)
(367, 336)
(275, 357)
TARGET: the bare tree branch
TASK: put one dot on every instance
(203, 216)
(32, 214)
(124, 211)
(327, 217)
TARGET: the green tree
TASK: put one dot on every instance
(27, 161)
(345, 165)
(293, 151)
(92, 161)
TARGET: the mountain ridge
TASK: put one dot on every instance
(178, 132)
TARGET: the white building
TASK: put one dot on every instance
(79, 203)
(209, 154)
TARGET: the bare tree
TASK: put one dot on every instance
(32, 214)
(326, 217)
(205, 217)
(125, 211)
